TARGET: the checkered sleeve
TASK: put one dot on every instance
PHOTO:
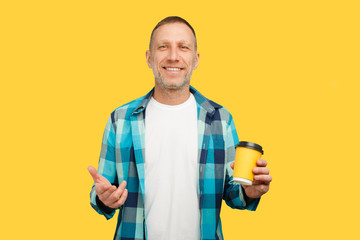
(107, 168)
(234, 195)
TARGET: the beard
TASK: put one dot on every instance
(172, 86)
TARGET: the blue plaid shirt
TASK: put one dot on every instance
(122, 158)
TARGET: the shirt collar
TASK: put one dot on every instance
(202, 101)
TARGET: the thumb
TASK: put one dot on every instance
(94, 173)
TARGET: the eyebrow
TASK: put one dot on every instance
(181, 41)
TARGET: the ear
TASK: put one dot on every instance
(148, 59)
(197, 59)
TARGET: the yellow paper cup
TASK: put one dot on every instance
(247, 153)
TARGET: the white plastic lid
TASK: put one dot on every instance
(242, 181)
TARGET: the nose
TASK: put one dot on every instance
(173, 54)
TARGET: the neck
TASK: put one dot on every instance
(171, 96)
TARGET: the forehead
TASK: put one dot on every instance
(174, 32)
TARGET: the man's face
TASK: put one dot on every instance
(172, 56)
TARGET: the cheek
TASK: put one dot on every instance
(157, 61)
(191, 60)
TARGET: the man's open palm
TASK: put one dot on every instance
(110, 195)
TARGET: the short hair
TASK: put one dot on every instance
(172, 19)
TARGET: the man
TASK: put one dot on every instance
(167, 158)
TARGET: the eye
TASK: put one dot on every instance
(162, 46)
(184, 47)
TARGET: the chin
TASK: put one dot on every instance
(172, 86)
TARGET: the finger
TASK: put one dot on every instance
(261, 170)
(232, 165)
(93, 173)
(117, 193)
(261, 162)
(97, 177)
(266, 179)
(104, 196)
(262, 188)
(122, 199)
(102, 187)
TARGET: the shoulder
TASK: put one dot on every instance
(224, 116)
(216, 111)
(122, 114)
(221, 113)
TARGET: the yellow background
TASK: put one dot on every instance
(288, 71)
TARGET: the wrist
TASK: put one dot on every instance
(101, 205)
(247, 199)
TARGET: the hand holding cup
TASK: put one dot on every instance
(250, 170)
(261, 182)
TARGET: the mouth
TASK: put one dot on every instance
(173, 69)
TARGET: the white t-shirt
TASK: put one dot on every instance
(171, 171)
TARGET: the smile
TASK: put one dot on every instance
(172, 69)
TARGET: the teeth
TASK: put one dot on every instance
(173, 69)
